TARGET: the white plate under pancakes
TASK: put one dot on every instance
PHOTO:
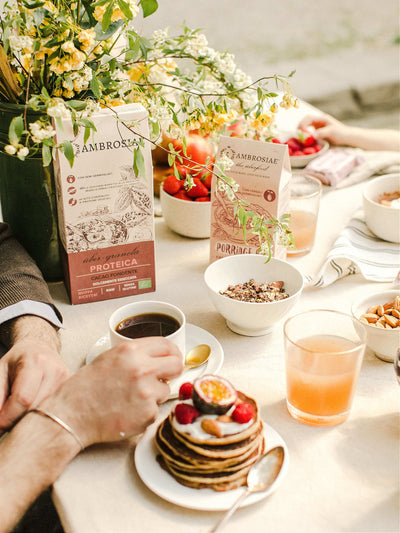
(164, 485)
(194, 336)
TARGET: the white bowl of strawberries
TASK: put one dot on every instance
(187, 212)
(303, 146)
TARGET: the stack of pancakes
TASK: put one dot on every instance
(219, 463)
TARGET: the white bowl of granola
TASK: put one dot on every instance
(247, 291)
(378, 314)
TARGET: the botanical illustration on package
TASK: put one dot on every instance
(106, 208)
(262, 172)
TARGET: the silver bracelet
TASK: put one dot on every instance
(60, 423)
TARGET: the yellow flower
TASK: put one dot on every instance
(67, 93)
(136, 72)
(86, 38)
(68, 47)
(117, 13)
(50, 7)
(113, 102)
(60, 65)
(262, 121)
(99, 12)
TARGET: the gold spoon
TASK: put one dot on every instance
(197, 356)
(260, 477)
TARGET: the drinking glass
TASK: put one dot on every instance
(305, 193)
(324, 350)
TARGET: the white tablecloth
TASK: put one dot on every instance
(344, 478)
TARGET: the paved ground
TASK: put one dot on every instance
(346, 54)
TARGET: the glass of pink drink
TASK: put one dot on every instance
(324, 352)
(305, 193)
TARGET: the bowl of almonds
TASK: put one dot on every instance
(379, 314)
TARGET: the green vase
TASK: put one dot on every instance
(28, 199)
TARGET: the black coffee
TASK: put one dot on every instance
(147, 325)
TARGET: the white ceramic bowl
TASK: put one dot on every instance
(382, 220)
(384, 342)
(250, 318)
(190, 219)
(301, 161)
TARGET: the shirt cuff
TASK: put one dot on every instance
(30, 307)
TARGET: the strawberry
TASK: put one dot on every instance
(308, 150)
(198, 189)
(185, 391)
(182, 171)
(185, 413)
(202, 199)
(298, 153)
(182, 195)
(276, 141)
(294, 144)
(171, 184)
(306, 138)
(243, 413)
(207, 179)
(317, 147)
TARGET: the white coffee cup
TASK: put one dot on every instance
(145, 307)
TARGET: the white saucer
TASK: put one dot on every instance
(194, 336)
(164, 485)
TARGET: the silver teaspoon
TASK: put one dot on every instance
(261, 476)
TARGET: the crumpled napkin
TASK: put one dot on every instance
(367, 163)
(358, 251)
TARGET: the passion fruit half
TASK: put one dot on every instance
(213, 394)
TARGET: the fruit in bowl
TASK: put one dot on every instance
(187, 212)
(303, 146)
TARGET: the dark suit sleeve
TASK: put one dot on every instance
(20, 278)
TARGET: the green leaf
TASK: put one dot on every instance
(86, 135)
(105, 23)
(148, 7)
(95, 86)
(155, 127)
(138, 163)
(145, 46)
(46, 155)
(103, 35)
(133, 52)
(124, 6)
(68, 152)
(16, 130)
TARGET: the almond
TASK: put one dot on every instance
(373, 309)
(225, 418)
(396, 303)
(391, 320)
(380, 311)
(396, 313)
(371, 317)
(211, 427)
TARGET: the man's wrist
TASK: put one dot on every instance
(30, 327)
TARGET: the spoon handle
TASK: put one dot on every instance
(230, 511)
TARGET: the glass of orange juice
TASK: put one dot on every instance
(324, 350)
(305, 193)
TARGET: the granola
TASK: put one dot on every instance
(256, 291)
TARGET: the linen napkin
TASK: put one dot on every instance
(358, 250)
(368, 163)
